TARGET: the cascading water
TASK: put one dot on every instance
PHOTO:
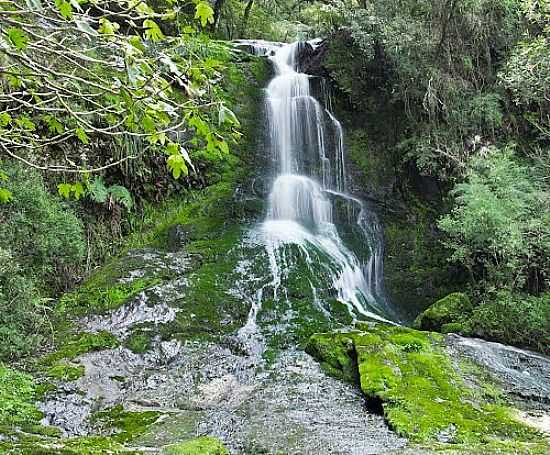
(309, 180)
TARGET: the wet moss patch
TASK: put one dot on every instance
(423, 396)
(94, 299)
(93, 445)
(200, 446)
(17, 396)
(139, 342)
(80, 344)
(64, 372)
(451, 309)
(126, 425)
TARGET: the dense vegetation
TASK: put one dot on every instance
(105, 108)
(120, 119)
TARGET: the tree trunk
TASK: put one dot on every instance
(247, 10)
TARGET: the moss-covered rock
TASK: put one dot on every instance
(65, 372)
(125, 425)
(199, 446)
(420, 389)
(139, 342)
(453, 308)
(81, 343)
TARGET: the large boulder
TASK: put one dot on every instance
(445, 314)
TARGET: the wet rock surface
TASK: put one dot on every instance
(221, 388)
(524, 374)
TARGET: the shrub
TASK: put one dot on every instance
(496, 229)
(514, 318)
(44, 236)
(21, 320)
(17, 393)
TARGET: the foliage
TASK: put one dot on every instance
(44, 236)
(17, 393)
(500, 226)
(517, 319)
(94, 74)
(22, 322)
(41, 247)
(526, 75)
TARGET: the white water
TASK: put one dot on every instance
(307, 146)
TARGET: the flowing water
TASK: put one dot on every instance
(224, 330)
(308, 200)
(223, 356)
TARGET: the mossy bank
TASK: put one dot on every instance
(425, 394)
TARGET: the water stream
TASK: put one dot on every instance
(309, 200)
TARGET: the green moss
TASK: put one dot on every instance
(43, 389)
(93, 445)
(200, 446)
(126, 424)
(93, 299)
(451, 309)
(17, 398)
(422, 394)
(337, 356)
(138, 342)
(80, 344)
(454, 327)
(65, 372)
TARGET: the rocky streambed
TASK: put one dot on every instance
(339, 400)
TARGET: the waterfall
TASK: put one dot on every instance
(306, 143)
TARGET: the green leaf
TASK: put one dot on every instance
(152, 30)
(65, 8)
(78, 190)
(98, 191)
(122, 195)
(18, 38)
(25, 123)
(224, 148)
(173, 148)
(5, 119)
(158, 138)
(136, 42)
(204, 13)
(177, 165)
(64, 190)
(106, 27)
(148, 124)
(6, 196)
(54, 125)
(81, 134)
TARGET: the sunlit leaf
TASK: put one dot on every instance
(65, 8)
(5, 119)
(18, 38)
(6, 196)
(106, 27)
(152, 30)
(64, 190)
(176, 164)
(204, 13)
(82, 136)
